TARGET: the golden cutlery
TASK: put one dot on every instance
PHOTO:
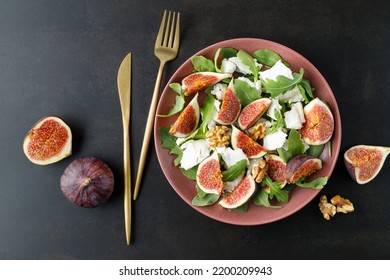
(165, 49)
(124, 89)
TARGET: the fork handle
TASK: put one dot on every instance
(148, 130)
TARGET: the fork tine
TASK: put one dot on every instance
(160, 33)
(172, 31)
(166, 31)
(177, 33)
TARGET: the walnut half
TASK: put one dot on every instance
(327, 209)
(343, 205)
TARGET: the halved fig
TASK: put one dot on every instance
(251, 148)
(209, 175)
(252, 112)
(230, 107)
(319, 125)
(201, 80)
(87, 182)
(276, 169)
(48, 141)
(188, 119)
(364, 162)
(241, 193)
(301, 166)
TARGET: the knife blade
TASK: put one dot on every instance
(124, 89)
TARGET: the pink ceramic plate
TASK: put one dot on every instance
(256, 215)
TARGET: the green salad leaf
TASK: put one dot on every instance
(202, 64)
(275, 190)
(261, 198)
(204, 199)
(248, 60)
(245, 93)
(268, 57)
(179, 101)
(295, 146)
(169, 142)
(225, 53)
(282, 83)
(317, 183)
(234, 171)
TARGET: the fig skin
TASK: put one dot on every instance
(87, 182)
(301, 166)
(364, 162)
(241, 193)
(188, 119)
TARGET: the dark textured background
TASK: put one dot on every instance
(62, 57)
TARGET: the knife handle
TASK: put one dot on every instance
(127, 180)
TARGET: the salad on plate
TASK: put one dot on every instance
(248, 129)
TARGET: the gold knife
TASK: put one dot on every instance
(124, 89)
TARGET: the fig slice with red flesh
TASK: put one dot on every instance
(188, 119)
(276, 169)
(364, 162)
(319, 125)
(241, 193)
(230, 107)
(301, 166)
(252, 112)
(201, 80)
(87, 182)
(209, 175)
(250, 147)
(48, 141)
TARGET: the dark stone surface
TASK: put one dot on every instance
(62, 57)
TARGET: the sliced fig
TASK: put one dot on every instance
(188, 119)
(301, 166)
(209, 175)
(251, 148)
(230, 107)
(319, 125)
(276, 169)
(48, 141)
(201, 80)
(87, 182)
(241, 193)
(364, 162)
(252, 112)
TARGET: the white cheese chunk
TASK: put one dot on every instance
(240, 67)
(272, 107)
(278, 69)
(256, 85)
(228, 66)
(231, 157)
(219, 90)
(291, 96)
(295, 117)
(194, 153)
(274, 140)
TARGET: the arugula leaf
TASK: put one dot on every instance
(261, 198)
(282, 83)
(179, 101)
(190, 173)
(295, 146)
(308, 89)
(276, 124)
(225, 53)
(315, 150)
(202, 64)
(317, 183)
(268, 57)
(169, 142)
(295, 143)
(204, 199)
(242, 208)
(207, 111)
(275, 190)
(234, 171)
(245, 92)
(248, 60)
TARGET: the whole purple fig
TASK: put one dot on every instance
(87, 182)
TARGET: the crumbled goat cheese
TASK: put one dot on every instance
(272, 107)
(228, 66)
(231, 157)
(279, 69)
(256, 85)
(291, 96)
(274, 140)
(219, 90)
(295, 117)
(195, 151)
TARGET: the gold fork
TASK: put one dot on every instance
(165, 49)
